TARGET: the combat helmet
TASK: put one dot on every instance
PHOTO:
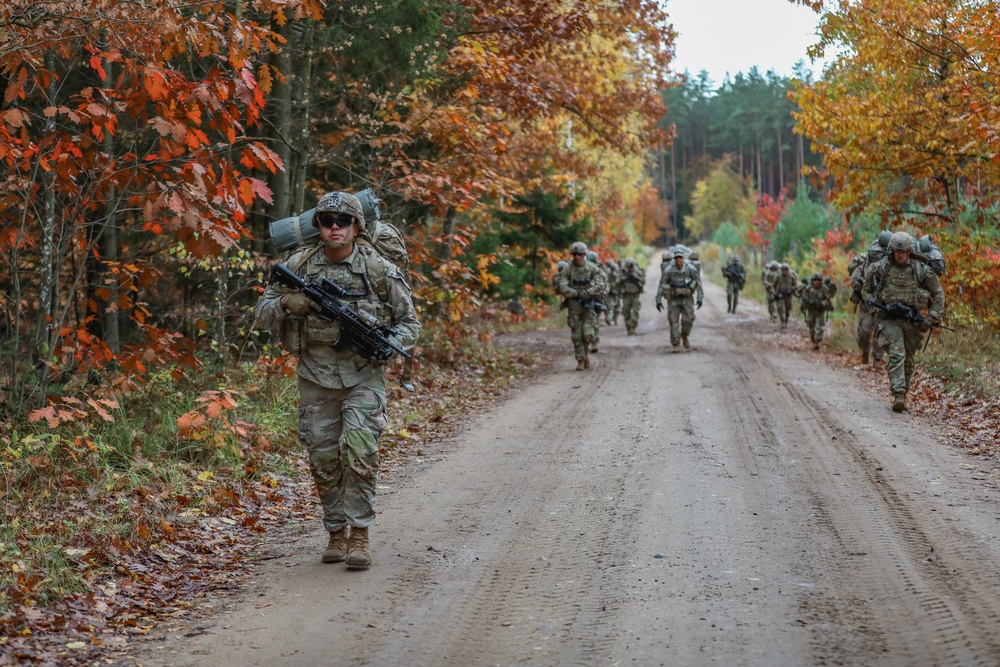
(678, 252)
(773, 265)
(785, 267)
(815, 276)
(901, 241)
(884, 237)
(591, 256)
(630, 262)
(561, 265)
(578, 248)
(339, 203)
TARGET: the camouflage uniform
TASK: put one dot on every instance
(736, 276)
(767, 277)
(342, 396)
(817, 300)
(916, 286)
(614, 300)
(582, 286)
(785, 283)
(866, 318)
(633, 284)
(679, 286)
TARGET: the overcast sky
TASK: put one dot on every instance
(734, 35)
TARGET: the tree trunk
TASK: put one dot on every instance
(280, 105)
(304, 98)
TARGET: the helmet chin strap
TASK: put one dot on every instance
(336, 245)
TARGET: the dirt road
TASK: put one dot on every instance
(734, 505)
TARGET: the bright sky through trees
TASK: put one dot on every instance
(732, 36)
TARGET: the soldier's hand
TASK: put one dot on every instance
(698, 305)
(297, 304)
(659, 306)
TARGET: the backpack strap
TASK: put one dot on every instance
(378, 269)
(306, 256)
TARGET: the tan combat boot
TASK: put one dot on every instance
(586, 361)
(358, 554)
(336, 550)
(864, 357)
(677, 348)
(580, 364)
(899, 402)
(687, 345)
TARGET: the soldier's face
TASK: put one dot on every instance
(335, 235)
(901, 256)
(817, 282)
(679, 262)
(579, 259)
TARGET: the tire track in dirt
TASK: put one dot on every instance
(885, 552)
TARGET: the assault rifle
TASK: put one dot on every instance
(900, 311)
(595, 305)
(369, 336)
(780, 295)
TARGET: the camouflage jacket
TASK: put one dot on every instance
(374, 285)
(582, 283)
(817, 299)
(633, 283)
(682, 283)
(913, 284)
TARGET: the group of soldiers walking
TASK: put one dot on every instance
(892, 284)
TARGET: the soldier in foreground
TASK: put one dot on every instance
(680, 285)
(632, 285)
(865, 331)
(342, 394)
(892, 285)
(817, 301)
(582, 284)
(784, 286)
(736, 277)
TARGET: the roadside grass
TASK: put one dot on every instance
(109, 524)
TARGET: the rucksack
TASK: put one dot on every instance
(931, 255)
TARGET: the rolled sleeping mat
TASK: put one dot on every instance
(292, 232)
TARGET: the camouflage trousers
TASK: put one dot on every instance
(583, 328)
(866, 332)
(732, 294)
(815, 321)
(783, 307)
(340, 429)
(901, 340)
(617, 305)
(772, 308)
(630, 310)
(680, 314)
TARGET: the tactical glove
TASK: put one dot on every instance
(698, 305)
(659, 306)
(297, 304)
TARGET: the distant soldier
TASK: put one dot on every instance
(784, 286)
(767, 277)
(600, 304)
(582, 284)
(633, 284)
(736, 277)
(679, 284)
(614, 274)
(817, 301)
(894, 281)
(865, 331)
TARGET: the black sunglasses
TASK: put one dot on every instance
(578, 254)
(341, 221)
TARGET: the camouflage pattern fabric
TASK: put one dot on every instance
(580, 285)
(340, 429)
(782, 283)
(915, 285)
(342, 396)
(767, 278)
(680, 287)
